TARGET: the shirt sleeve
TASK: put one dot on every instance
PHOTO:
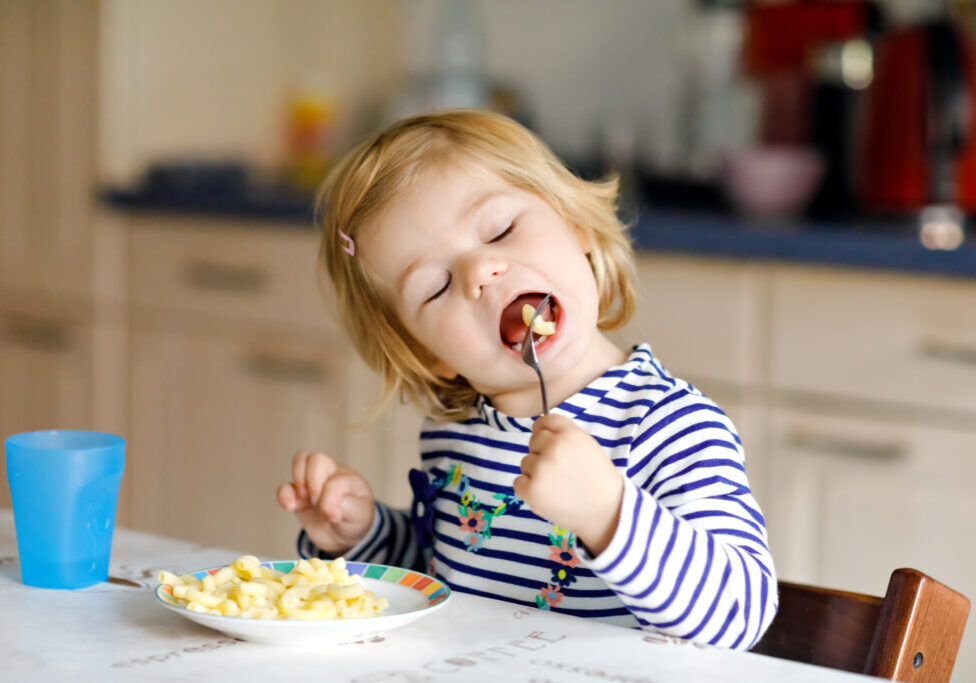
(390, 540)
(690, 554)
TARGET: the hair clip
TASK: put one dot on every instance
(349, 246)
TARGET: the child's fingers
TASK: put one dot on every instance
(540, 440)
(552, 423)
(339, 487)
(520, 487)
(298, 463)
(318, 469)
(289, 499)
(356, 511)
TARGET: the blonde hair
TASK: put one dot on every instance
(386, 166)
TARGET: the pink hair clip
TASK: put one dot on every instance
(349, 246)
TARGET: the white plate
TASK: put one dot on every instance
(411, 595)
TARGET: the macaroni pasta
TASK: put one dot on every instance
(313, 589)
(541, 327)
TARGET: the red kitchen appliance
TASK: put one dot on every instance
(800, 54)
(919, 135)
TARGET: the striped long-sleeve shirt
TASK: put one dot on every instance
(689, 556)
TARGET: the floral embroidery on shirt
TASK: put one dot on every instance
(475, 520)
(471, 519)
(549, 597)
(474, 541)
(561, 552)
(563, 556)
(562, 576)
(510, 502)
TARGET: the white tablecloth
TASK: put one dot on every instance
(113, 632)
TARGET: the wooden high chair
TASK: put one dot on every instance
(911, 635)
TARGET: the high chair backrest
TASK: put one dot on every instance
(910, 635)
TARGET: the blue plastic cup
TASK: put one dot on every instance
(64, 485)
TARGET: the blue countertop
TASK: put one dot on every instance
(882, 244)
(891, 245)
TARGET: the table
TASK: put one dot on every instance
(112, 631)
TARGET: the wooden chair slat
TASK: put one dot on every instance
(919, 629)
(910, 635)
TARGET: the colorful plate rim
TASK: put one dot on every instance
(436, 591)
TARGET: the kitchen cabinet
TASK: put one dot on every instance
(387, 449)
(45, 375)
(216, 418)
(906, 342)
(235, 366)
(871, 429)
(853, 393)
(703, 318)
(60, 367)
(845, 484)
(225, 269)
(48, 63)
(856, 497)
(62, 329)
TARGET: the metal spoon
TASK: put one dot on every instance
(528, 352)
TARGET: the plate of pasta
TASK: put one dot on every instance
(301, 602)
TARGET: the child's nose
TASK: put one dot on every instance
(478, 273)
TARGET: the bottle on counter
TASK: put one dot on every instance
(310, 123)
(453, 73)
(718, 107)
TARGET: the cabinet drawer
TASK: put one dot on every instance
(266, 273)
(231, 409)
(702, 317)
(896, 339)
(854, 498)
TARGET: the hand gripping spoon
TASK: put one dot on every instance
(528, 351)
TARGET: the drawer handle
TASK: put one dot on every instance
(37, 334)
(845, 446)
(939, 349)
(221, 277)
(281, 369)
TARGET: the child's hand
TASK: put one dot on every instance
(568, 479)
(333, 503)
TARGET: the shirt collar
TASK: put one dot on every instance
(640, 358)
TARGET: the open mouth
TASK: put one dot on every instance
(512, 327)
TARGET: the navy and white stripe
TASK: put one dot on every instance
(690, 555)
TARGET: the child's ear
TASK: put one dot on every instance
(442, 370)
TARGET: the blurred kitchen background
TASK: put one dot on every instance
(799, 176)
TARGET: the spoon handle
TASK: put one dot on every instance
(545, 396)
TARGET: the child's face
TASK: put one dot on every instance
(457, 253)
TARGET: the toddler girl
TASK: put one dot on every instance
(628, 502)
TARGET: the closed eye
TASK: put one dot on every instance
(439, 291)
(504, 234)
